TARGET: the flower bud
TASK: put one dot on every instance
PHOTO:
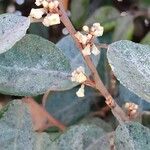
(45, 4)
(51, 5)
(82, 38)
(85, 28)
(80, 92)
(37, 13)
(95, 50)
(87, 50)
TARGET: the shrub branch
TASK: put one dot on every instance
(115, 108)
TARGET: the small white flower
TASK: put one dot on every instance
(95, 50)
(45, 3)
(56, 3)
(87, 50)
(82, 38)
(46, 21)
(51, 5)
(85, 28)
(80, 69)
(37, 13)
(80, 92)
(131, 106)
(89, 37)
(38, 2)
(97, 29)
(51, 19)
(78, 75)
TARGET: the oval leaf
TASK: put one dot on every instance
(79, 137)
(131, 65)
(70, 107)
(12, 29)
(106, 16)
(132, 136)
(16, 130)
(32, 66)
(124, 28)
(79, 18)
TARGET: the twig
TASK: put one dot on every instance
(45, 96)
(115, 108)
(51, 119)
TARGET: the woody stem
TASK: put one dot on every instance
(115, 108)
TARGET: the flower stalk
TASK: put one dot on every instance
(115, 108)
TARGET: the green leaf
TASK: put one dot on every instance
(33, 66)
(70, 50)
(39, 29)
(97, 122)
(12, 29)
(16, 130)
(144, 3)
(79, 137)
(130, 63)
(70, 108)
(132, 136)
(79, 12)
(106, 16)
(146, 39)
(102, 143)
(124, 28)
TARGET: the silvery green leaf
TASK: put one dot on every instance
(12, 29)
(102, 143)
(132, 136)
(130, 63)
(70, 108)
(32, 66)
(90, 120)
(16, 130)
(79, 137)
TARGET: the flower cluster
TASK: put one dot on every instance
(87, 39)
(132, 108)
(50, 9)
(79, 76)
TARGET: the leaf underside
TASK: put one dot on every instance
(12, 29)
(130, 63)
